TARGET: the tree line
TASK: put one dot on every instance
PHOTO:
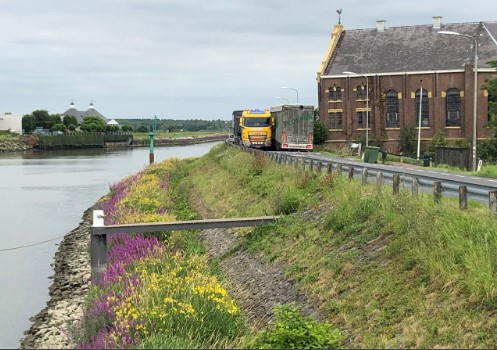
(172, 125)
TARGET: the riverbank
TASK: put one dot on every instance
(27, 142)
(70, 282)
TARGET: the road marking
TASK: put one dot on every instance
(492, 180)
(460, 176)
(476, 178)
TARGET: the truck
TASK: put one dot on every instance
(252, 128)
(293, 127)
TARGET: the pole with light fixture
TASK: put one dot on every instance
(475, 63)
(367, 104)
(286, 87)
(283, 98)
(419, 119)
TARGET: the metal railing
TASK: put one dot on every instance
(99, 232)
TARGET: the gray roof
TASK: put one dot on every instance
(413, 48)
(79, 115)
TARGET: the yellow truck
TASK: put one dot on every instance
(252, 128)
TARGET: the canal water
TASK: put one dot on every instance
(43, 196)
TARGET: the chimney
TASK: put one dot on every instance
(437, 22)
(91, 104)
(380, 25)
(72, 104)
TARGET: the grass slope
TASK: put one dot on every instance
(389, 270)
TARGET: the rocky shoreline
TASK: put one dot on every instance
(70, 282)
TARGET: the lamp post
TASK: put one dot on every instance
(419, 119)
(283, 98)
(286, 87)
(475, 63)
(367, 103)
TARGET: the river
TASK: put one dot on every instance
(42, 197)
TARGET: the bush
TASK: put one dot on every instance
(319, 132)
(291, 330)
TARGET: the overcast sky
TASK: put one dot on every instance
(184, 59)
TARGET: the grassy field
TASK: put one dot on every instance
(175, 135)
(388, 270)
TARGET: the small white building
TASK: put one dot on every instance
(11, 122)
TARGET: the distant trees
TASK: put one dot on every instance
(70, 120)
(93, 123)
(172, 125)
(28, 123)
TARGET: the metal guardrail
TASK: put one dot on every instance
(99, 232)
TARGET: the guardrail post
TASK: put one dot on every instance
(437, 191)
(396, 183)
(364, 175)
(339, 169)
(463, 197)
(351, 172)
(98, 247)
(492, 201)
(415, 186)
(319, 165)
(311, 166)
(330, 168)
(379, 180)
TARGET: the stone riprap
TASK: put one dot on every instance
(50, 328)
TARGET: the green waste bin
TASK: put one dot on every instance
(426, 160)
(371, 154)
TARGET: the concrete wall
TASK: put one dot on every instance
(11, 122)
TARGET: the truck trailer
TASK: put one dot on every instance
(293, 127)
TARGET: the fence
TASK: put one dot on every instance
(99, 232)
(453, 156)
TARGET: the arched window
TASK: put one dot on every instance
(425, 121)
(335, 93)
(392, 109)
(453, 107)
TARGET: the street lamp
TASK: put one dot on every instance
(286, 87)
(283, 98)
(367, 103)
(475, 63)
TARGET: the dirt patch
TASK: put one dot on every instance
(256, 286)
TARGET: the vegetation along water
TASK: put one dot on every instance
(385, 270)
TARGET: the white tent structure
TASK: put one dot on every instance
(112, 122)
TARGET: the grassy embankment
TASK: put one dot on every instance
(389, 270)
(143, 136)
(160, 292)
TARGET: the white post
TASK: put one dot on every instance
(367, 112)
(419, 122)
(98, 247)
(475, 100)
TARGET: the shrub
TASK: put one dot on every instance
(291, 330)
(319, 132)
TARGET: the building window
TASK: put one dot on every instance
(453, 108)
(335, 120)
(425, 121)
(361, 92)
(392, 109)
(335, 93)
(361, 119)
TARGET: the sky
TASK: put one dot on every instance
(184, 59)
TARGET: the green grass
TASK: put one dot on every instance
(144, 136)
(8, 136)
(390, 270)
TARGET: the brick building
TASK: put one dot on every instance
(407, 70)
